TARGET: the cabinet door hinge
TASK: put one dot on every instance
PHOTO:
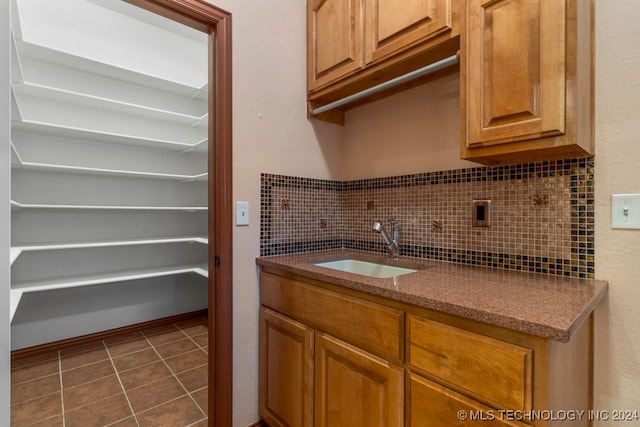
(217, 261)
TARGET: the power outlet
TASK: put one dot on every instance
(481, 214)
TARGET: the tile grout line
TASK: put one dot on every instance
(61, 388)
(121, 385)
(174, 374)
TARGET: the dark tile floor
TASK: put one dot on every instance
(157, 377)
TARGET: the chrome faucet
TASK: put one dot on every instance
(392, 243)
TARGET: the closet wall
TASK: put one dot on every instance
(109, 168)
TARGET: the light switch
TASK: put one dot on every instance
(625, 211)
(242, 213)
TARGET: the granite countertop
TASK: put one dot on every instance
(547, 306)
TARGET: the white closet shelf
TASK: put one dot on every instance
(18, 205)
(16, 251)
(103, 103)
(75, 133)
(19, 289)
(114, 172)
(109, 243)
(107, 70)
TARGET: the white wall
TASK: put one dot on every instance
(271, 134)
(5, 214)
(617, 170)
(417, 131)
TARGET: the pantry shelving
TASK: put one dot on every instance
(109, 171)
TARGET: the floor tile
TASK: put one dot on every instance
(34, 371)
(37, 409)
(34, 360)
(143, 375)
(99, 413)
(167, 337)
(94, 395)
(195, 378)
(81, 348)
(87, 373)
(127, 422)
(134, 360)
(117, 349)
(86, 393)
(179, 412)
(55, 421)
(175, 348)
(193, 327)
(154, 394)
(202, 399)
(201, 340)
(75, 360)
(32, 389)
(187, 361)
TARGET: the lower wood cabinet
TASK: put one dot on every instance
(354, 388)
(286, 371)
(338, 358)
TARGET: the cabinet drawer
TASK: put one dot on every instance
(431, 405)
(367, 325)
(493, 371)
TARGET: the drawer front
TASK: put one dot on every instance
(370, 326)
(431, 405)
(493, 371)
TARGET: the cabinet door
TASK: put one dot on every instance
(335, 40)
(514, 77)
(286, 371)
(391, 28)
(431, 405)
(355, 388)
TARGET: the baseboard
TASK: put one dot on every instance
(98, 336)
(259, 423)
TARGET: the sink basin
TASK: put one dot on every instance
(365, 268)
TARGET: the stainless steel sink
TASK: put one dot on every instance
(365, 268)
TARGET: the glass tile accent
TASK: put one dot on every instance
(542, 220)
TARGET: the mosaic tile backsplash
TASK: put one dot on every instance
(542, 215)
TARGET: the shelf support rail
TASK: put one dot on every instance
(428, 69)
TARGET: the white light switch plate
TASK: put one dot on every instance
(242, 213)
(625, 211)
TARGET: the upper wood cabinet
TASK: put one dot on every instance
(335, 40)
(392, 28)
(356, 44)
(526, 80)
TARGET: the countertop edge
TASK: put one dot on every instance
(532, 327)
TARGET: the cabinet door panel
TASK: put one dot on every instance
(431, 405)
(335, 39)
(286, 371)
(515, 70)
(355, 388)
(392, 28)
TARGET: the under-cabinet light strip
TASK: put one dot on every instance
(453, 59)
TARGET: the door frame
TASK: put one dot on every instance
(216, 22)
